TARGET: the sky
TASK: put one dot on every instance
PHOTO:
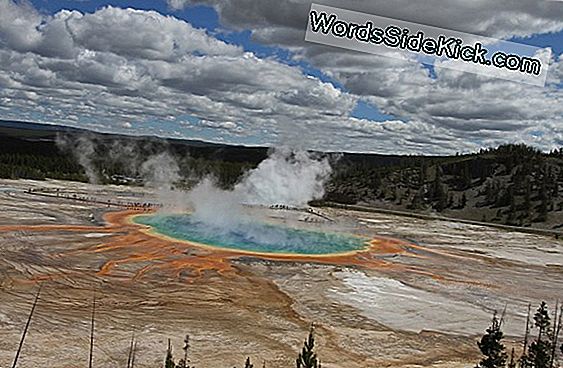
(240, 72)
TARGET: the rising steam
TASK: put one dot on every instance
(161, 171)
(285, 177)
(84, 149)
(288, 176)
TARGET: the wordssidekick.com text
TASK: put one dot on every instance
(395, 37)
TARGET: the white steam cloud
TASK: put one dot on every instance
(161, 171)
(215, 207)
(286, 177)
(84, 149)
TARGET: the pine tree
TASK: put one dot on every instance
(442, 201)
(527, 197)
(308, 358)
(542, 217)
(511, 362)
(542, 320)
(466, 176)
(423, 173)
(539, 354)
(463, 201)
(540, 350)
(416, 202)
(247, 364)
(183, 363)
(439, 193)
(169, 362)
(491, 346)
(557, 326)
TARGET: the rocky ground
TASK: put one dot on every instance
(416, 302)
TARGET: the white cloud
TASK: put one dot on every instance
(18, 24)
(499, 19)
(119, 67)
(458, 106)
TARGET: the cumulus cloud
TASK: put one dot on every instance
(18, 24)
(459, 106)
(118, 65)
(143, 72)
(499, 19)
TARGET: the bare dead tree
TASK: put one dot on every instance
(134, 354)
(24, 334)
(503, 314)
(527, 332)
(130, 358)
(557, 320)
(186, 348)
(92, 327)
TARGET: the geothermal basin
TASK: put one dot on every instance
(382, 290)
(253, 236)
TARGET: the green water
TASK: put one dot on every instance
(253, 236)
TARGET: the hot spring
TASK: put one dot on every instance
(253, 236)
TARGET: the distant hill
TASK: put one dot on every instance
(510, 184)
(31, 132)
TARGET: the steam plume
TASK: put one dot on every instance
(288, 176)
(84, 149)
(285, 177)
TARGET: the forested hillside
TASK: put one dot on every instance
(511, 184)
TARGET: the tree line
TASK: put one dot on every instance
(306, 358)
(512, 184)
(541, 347)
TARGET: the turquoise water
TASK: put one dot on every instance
(253, 236)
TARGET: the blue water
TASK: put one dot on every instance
(253, 236)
